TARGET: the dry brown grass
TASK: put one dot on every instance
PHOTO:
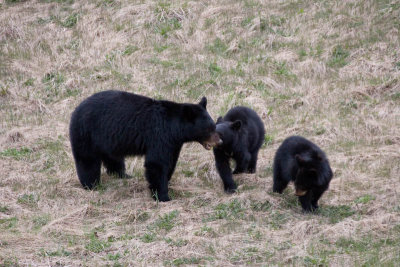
(327, 70)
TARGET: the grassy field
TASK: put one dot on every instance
(326, 70)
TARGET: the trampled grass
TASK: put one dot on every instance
(327, 70)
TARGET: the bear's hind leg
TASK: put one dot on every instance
(115, 166)
(88, 171)
(242, 162)
(279, 183)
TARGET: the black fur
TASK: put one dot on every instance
(242, 133)
(304, 163)
(110, 125)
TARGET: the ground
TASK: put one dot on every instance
(326, 70)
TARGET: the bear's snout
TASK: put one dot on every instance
(212, 141)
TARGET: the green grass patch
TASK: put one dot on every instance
(166, 222)
(148, 237)
(268, 140)
(113, 257)
(276, 220)
(260, 206)
(30, 200)
(214, 69)
(232, 210)
(167, 26)
(176, 243)
(4, 209)
(61, 252)
(206, 231)
(336, 214)
(40, 220)
(70, 21)
(16, 153)
(364, 199)
(29, 82)
(8, 223)
(129, 50)
(338, 57)
(189, 261)
(218, 47)
(95, 244)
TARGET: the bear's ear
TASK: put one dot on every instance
(203, 102)
(219, 120)
(236, 125)
(299, 159)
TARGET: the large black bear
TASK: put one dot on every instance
(303, 162)
(110, 125)
(242, 133)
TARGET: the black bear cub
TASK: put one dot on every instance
(242, 133)
(301, 161)
(110, 125)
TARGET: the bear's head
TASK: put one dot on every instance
(228, 131)
(199, 125)
(308, 174)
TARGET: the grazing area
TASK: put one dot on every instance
(325, 70)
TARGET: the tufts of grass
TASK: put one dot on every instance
(148, 237)
(129, 50)
(282, 71)
(29, 200)
(95, 244)
(60, 252)
(218, 47)
(206, 231)
(188, 261)
(16, 153)
(336, 214)
(70, 21)
(175, 194)
(8, 223)
(260, 206)
(277, 219)
(214, 69)
(338, 57)
(40, 220)
(4, 209)
(54, 87)
(268, 140)
(167, 26)
(364, 199)
(29, 82)
(176, 243)
(55, 155)
(166, 222)
(232, 210)
(9, 261)
(250, 256)
(14, 1)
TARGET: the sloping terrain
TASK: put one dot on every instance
(326, 70)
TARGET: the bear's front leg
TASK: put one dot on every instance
(305, 202)
(224, 170)
(156, 175)
(316, 194)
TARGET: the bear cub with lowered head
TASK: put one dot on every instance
(110, 125)
(242, 133)
(303, 162)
